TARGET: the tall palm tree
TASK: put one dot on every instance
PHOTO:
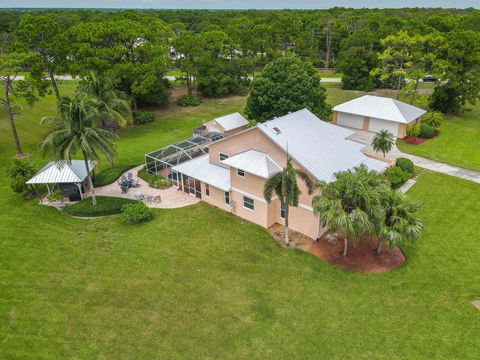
(76, 130)
(350, 205)
(111, 103)
(399, 222)
(284, 185)
(383, 141)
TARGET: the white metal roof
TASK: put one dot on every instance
(201, 169)
(231, 121)
(254, 162)
(381, 108)
(62, 172)
(376, 165)
(319, 147)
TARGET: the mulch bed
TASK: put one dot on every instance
(360, 258)
(413, 140)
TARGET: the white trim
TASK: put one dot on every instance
(254, 197)
(306, 207)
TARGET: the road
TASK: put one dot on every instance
(69, 77)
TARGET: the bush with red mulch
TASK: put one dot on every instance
(413, 140)
(360, 258)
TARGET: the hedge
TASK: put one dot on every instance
(140, 118)
(405, 164)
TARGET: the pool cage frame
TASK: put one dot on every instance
(161, 161)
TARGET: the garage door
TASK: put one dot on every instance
(377, 124)
(349, 120)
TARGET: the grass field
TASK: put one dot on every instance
(197, 282)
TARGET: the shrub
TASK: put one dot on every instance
(137, 212)
(141, 118)
(106, 205)
(405, 164)
(20, 172)
(55, 196)
(413, 130)
(426, 131)
(155, 181)
(111, 174)
(396, 177)
(432, 118)
(188, 100)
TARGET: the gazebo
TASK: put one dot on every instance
(68, 176)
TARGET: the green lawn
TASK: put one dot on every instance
(458, 142)
(198, 282)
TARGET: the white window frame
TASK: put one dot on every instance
(243, 173)
(253, 203)
(207, 190)
(226, 195)
(220, 156)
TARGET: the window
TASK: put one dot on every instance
(248, 203)
(222, 156)
(227, 197)
(283, 210)
(207, 190)
(240, 173)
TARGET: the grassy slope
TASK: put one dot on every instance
(198, 282)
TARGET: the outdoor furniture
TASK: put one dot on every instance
(139, 196)
(124, 188)
(149, 198)
(135, 183)
(130, 176)
(157, 199)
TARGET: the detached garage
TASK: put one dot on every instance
(375, 113)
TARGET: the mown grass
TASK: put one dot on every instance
(106, 205)
(198, 282)
(110, 174)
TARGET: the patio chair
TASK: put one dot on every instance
(130, 176)
(157, 199)
(149, 198)
(139, 196)
(124, 188)
(135, 183)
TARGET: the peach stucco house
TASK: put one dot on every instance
(233, 173)
(375, 113)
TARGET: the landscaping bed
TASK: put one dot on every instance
(361, 258)
(415, 140)
(106, 205)
(154, 181)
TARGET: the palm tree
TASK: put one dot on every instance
(111, 103)
(76, 130)
(350, 205)
(284, 185)
(383, 141)
(399, 223)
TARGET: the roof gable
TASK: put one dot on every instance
(62, 172)
(254, 162)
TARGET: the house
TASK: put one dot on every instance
(233, 173)
(375, 113)
(228, 124)
(67, 176)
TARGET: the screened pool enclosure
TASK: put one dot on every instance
(161, 161)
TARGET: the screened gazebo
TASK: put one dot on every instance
(161, 161)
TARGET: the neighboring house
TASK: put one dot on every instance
(375, 113)
(68, 177)
(228, 124)
(233, 174)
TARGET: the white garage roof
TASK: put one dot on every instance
(319, 147)
(231, 121)
(201, 169)
(62, 172)
(381, 108)
(254, 162)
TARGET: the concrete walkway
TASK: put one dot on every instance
(437, 166)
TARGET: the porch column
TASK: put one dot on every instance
(79, 185)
